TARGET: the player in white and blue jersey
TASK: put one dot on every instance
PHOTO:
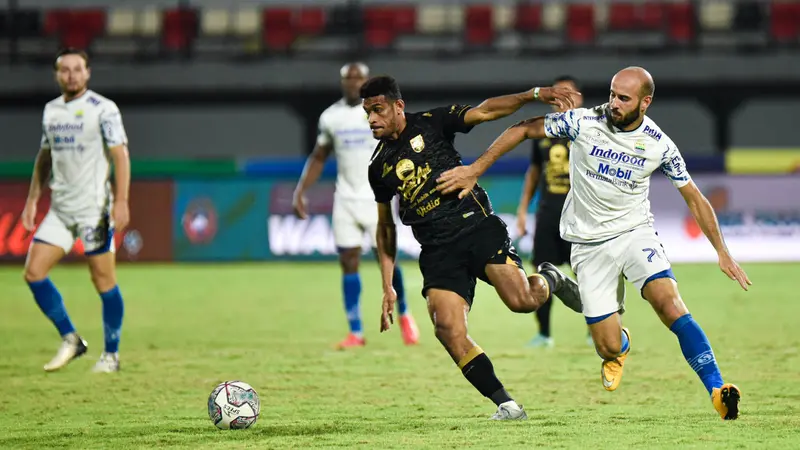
(615, 148)
(82, 136)
(344, 131)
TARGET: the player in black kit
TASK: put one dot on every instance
(549, 173)
(460, 236)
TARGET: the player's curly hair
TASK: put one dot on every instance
(381, 85)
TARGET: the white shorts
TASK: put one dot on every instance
(602, 269)
(352, 220)
(95, 230)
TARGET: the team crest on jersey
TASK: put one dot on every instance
(417, 143)
(638, 147)
(79, 114)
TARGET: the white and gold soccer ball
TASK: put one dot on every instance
(233, 405)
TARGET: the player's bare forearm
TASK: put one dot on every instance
(41, 172)
(703, 213)
(529, 187)
(386, 240)
(498, 107)
(313, 168)
(122, 172)
(510, 139)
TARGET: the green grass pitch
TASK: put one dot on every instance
(273, 325)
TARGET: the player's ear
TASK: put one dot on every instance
(399, 106)
(646, 102)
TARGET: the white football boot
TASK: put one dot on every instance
(108, 363)
(73, 346)
(509, 411)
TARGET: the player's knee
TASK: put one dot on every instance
(608, 350)
(348, 259)
(448, 334)
(103, 279)
(33, 274)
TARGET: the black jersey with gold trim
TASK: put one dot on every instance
(409, 167)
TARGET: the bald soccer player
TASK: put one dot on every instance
(615, 148)
(344, 131)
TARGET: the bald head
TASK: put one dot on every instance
(638, 76)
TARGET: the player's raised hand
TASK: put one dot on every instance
(563, 97)
(29, 216)
(299, 205)
(733, 270)
(122, 215)
(462, 179)
(387, 313)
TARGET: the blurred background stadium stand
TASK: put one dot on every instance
(211, 88)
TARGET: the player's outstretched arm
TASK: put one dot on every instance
(463, 178)
(387, 253)
(498, 107)
(122, 184)
(41, 173)
(703, 213)
(311, 173)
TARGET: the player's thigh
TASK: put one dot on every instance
(448, 311)
(367, 218)
(51, 242)
(347, 233)
(599, 280)
(647, 267)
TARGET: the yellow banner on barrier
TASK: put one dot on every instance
(762, 160)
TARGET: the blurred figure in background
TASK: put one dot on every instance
(548, 172)
(82, 135)
(344, 129)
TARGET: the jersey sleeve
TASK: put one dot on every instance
(45, 142)
(111, 126)
(674, 167)
(383, 193)
(451, 118)
(565, 125)
(324, 138)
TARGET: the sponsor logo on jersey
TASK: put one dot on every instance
(623, 174)
(652, 132)
(65, 128)
(617, 157)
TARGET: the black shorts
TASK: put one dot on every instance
(547, 243)
(457, 265)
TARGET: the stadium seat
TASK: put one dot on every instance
(121, 22)
(278, 28)
(716, 15)
(179, 29)
(680, 22)
(310, 21)
(528, 17)
(150, 22)
(405, 19)
(785, 22)
(379, 26)
(580, 23)
(749, 16)
(440, 19)
(479, 25)
(215, 22)
(75, 28)
(246, 22)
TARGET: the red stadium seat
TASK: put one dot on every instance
(179, 29)
(528, 17)
(405, 19)
(310, 21)
(279, 31)
(635, 16)
(681, 21)
(379, 26)
(76, 28)
(651, 15)
(479, 26)
(785, 21)
(580, 23)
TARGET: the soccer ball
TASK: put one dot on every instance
(233, 405)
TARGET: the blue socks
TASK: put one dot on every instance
(52, 305)
(113, 310)
(397, 283)
(697, 351)
(351, 286)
